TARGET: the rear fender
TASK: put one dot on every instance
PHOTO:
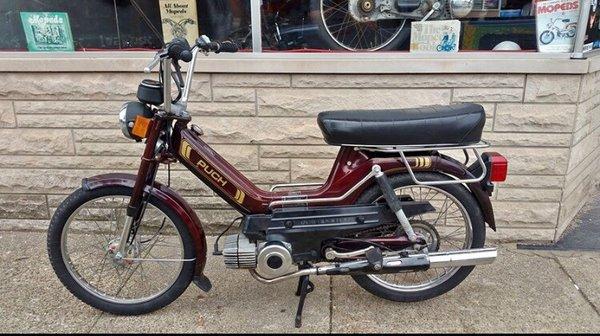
(447, 165)
(170, 198)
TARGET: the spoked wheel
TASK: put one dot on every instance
(341, 31)
(547, 37)
(83, 245)
(456, 224)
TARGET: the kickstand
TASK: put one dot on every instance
(304, 287)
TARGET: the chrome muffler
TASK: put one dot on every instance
(393, 264)
(473, 257)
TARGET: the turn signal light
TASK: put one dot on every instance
(498, 167)
(140, 126)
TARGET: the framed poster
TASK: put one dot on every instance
(179, 19)
(556, 24)
(47, 31)
(592, 31)
(435, 36)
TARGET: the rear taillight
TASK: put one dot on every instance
(498, 167)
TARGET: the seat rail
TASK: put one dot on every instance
(418, 148)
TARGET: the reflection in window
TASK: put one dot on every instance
(117, 25)
(298, 25)
(385, 25)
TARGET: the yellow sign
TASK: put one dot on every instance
(179, 19)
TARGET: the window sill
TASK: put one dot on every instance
(339, 63)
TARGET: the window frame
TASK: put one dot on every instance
(257, 50)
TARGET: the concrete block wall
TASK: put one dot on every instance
(61, 127)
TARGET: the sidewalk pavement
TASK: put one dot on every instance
(523, 291)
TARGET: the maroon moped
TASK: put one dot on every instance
(406, 221)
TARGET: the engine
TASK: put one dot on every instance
(270, 260)
(275, 244)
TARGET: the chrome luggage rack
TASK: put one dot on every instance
(420, 148)
(296, 199)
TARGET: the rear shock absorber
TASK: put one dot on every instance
(393, 202)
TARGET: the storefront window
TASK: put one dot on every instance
(91, 25)
(297, 25)
(394, 25)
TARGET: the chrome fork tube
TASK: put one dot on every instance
(125, 236)
(166, 67)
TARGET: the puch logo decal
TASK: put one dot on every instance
(239, 196)
(211, 172)
(422, 162)
(186, 151)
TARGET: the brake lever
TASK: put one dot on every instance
(159, 55)
(177, 75)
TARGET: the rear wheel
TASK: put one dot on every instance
(341, 31)
(83, 241)
(456, 224)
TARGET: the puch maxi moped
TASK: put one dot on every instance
(405, 221)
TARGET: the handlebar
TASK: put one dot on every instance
(153, 63)
(179, 50)
(218, 47)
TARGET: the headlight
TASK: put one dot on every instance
(127, 118)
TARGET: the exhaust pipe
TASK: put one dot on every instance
(463, 258)
(395, 264)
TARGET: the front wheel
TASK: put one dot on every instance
(340, 30)
(83, 245)
(456, 224)
(547, 37)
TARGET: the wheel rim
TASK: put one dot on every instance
(453, 223)
(92, 231)
(546, 37)
(357, 36)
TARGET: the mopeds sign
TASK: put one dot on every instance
(556, 22)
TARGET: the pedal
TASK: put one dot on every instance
(375, 259)
(305, 286)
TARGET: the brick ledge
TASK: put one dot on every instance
(383, 63)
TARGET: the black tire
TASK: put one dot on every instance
(316, 17)
(478, 226)
(57, 224)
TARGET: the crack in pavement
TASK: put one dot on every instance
(330, 304)
(551, 256)
(583, 294)
(95, 322)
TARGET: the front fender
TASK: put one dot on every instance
(170, 198)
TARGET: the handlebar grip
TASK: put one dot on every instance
(228, 47)
(179, 49)
(217, 47)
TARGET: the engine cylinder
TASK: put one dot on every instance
(239, 252)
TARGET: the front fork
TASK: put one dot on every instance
(145, 176)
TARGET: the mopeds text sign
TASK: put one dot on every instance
(47, 31)
(556, 23)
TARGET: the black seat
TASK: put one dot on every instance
(452, 124)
